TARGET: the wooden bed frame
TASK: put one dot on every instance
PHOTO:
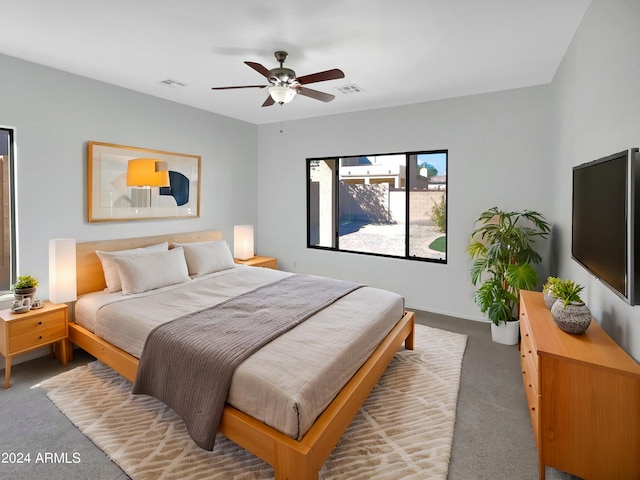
(290, 459)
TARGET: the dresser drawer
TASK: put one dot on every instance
(529, 378)
(526, 343)
(35, 323)
(36, 337)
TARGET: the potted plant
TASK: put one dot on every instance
(25, 287)
(569, 312)
(501, 247)
(548, 291)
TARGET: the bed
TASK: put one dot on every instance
(293, 455)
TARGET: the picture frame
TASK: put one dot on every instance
(110, 199)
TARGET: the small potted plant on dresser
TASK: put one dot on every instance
(501, 247)
(569, 312)
(25, 287)
(547, 291)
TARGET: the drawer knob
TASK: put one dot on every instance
(40, 337)
(40, 322)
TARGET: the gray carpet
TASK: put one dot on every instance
(492, 437)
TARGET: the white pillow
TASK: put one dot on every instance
(207, 257)
(141, 272)
(111, 277)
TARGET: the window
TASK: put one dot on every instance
(393, 205)
(7, 236)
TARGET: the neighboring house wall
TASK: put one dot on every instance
(365, 203)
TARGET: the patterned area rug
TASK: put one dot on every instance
(403, 431)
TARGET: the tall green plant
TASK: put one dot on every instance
(439, 214)
(501, 248)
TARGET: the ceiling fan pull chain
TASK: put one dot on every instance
(281, 105)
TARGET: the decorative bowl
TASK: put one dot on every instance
(574, 318)
(23, 309)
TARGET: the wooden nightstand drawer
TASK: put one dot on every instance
(34, 323)
(36, 338)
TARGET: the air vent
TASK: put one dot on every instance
(353, 88)
(173, 83)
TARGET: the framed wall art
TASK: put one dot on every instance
(131, 183)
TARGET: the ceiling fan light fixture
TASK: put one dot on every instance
(282, 94)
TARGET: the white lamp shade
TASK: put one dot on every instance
(282, 94)
(243, 242)
(62, 270)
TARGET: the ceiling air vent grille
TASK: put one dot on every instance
(173, 83)
(353, 88)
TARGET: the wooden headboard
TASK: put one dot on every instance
(89, 275)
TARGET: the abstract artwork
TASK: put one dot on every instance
(110, 198)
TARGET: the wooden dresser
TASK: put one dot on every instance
(583, 393)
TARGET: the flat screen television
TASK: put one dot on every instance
(603, 238)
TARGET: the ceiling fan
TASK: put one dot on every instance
(284, 85)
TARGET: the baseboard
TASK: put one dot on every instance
(25, 357)
(447, 314)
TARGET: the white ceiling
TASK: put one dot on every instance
(399, 52)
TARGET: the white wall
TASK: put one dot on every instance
(597, 106)
(54, 115)
(511, 149)
(499, 155)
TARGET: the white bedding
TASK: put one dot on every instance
(290, 381)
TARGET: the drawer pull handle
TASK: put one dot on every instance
(40, 337)
(40, 323)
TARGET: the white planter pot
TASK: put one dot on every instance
(506, 333)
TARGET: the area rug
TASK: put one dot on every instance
(404, 429)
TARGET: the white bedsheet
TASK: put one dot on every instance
(290, 381)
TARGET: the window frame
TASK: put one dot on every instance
(11, 223)
(407, 191)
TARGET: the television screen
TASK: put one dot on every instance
(602, 223)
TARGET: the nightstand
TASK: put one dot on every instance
(22, 332)
(258, 261)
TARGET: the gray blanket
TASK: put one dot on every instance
(188, 363)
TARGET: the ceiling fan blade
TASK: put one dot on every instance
(268, 102)
(244, 86)
(323, 97)
(333, 74)
(259, 68)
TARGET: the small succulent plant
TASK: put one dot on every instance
(25, 281)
